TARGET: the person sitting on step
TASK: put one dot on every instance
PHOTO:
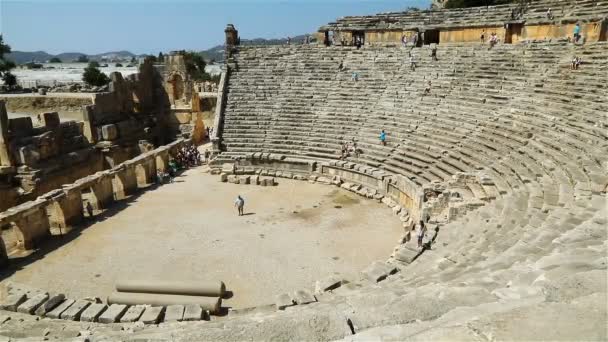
(427, 89)
(576, 61)
(354, 77)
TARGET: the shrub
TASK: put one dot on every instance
(93, 76)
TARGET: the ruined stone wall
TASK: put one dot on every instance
(57, 211)
(590, 31)
(134, 109)
(472, 34)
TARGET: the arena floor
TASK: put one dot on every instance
(292, 235)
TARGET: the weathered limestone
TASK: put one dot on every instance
(145, 170)
(327, 284)
(5, 157)
(32, 223)
(302, 297)
(378, 271)
(152, 314)
(124, 182)
(12, 301)
(50, 304)
(132, 314)
(162, 160)
(30, 305)
(60, 309)
(113, 313)
(193, 312)
(92, 313)
(101, 189)
(65, 209)
(174, 313)
(75, 310)
(283, 301)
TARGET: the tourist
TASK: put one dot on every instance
(549, 14)
(427, 89)
(577, 32)
(420, 233)
(493, 40)
(576, 61)
(412, 62)
(434, 53)
(483, 36)
(89, 208)
(239, 203)
(404, 40)
(354, 77)
(415, 39)
(358, 42)
(341, 66)
(288, 40)
(383, 138)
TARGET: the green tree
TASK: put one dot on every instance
(82, 59)
(6, 65)
(195, 65)
(118, 65)
(93, 76)
(161, 57)
(133, 60)
(94, 64)
(55, 60)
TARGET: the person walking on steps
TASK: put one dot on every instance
(239, 203)
(420, 233)
(383, 138)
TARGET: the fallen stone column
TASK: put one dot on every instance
(209, 288)
(212, 304)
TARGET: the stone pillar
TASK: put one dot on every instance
(145, 171)
(64, 210)
(232, 35)
(124, 182)
(88, 118)
(162, 160)
(32, 224)
(3, 254)
(5, 155)
(101, 189)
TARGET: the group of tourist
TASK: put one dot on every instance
(349, 148)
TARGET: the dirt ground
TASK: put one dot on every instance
(292, 235)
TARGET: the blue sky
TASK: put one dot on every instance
(95, 26)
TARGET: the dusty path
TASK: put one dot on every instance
(294, 234)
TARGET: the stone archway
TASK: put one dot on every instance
(177, 86)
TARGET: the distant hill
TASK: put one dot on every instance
(217, 52)
(21, 57)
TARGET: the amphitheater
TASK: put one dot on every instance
(504, 156)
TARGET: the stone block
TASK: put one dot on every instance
(396, 210)
(75, 310)
(378, 271)
(254, 180)
(406, 254)
(228, 168)
(223, 177)
(193, 312)
(12, 302)
(132, 314)
(183, 118)
(109, 132)
(174, 313)
(57, 311)
(49, 120)
(30, 305)
(243, 179)
(50, 304)
(302, 297)
(327, 284)
(92, 313)
(233, 179)
(113, 313)
(283, 301)
(152, 314)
